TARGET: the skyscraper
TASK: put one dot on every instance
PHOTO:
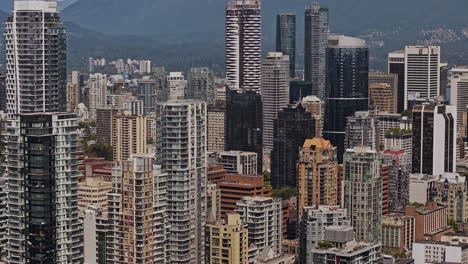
(42, 186)
(316, 107)
(292, 127)
(128, 136)
(243, 44)
(275, 93)
(434, 138)
(176, 85)
(347, 86)
(362, 129)
(35, 83)
(138, 213)
(97, 95)
(399, 171)
(216, 126)
(286, 39)
(146, 91)
(459, 91)
(363, 193)
(383, 91)
(244, 123)
(315, 48)
(181, 150)
(317, 173)
(200, 85)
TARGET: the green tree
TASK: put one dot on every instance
(267, 178)
(453, 224)
(285, 193)
(99, 150)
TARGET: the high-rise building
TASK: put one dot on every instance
(213, 202)
(347, 86)
(317, 181)
(392, 122)
(362, 129)
(42, 185)
(312, 227)
(243, 44)
(200, 85)
(444, 82)
(3, 215)
(133, 106)
(434, 138)
(399, 174)
(459, 92)
(286, 39)
(431, 221)
(138, 213)
(244, 123)
(275, 93)
(263, 217)
(399, 139)
(418, 69)
(104, 119)
(162, 90)
(227, 242)
(316, 107)
(238, 162)
(35, 83)
(97, 95)
(216, 126)
(96, 231)
(181, 150)
(317, 29)
(73, 97)
(93, 191)
(383, 91)
(363, 192)
(450, 190)
(176, 85)
(146, 91)
(298, 90)
(292, 127)
(128, 136)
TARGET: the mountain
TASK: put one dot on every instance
(7, 5)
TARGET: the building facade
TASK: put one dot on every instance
(97, 94)
(216, 126)
(200, 85)
(451, 190)
(383, 91)
(238, 162)
(398, 233)
(146, 92)
(286, 39)
(362, 129)
(129, 136)
(459, 91)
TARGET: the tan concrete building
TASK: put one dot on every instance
(216, 125)
(129, 136)
(315, 106)
(450, 190)
(317, 174)
(104, 118)
(227, 242)
(73, 97)
(93, 191)
(383, 84)
(213, 201)
(430, 221)
(398, 233)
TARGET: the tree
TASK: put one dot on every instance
(285, 193)
(99, 150)
(453, 224)
(267, 178)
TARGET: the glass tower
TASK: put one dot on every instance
(286, 39)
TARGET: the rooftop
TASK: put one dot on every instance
(341, 41)
(351, 249)
(320, 143)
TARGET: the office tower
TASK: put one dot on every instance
(104, 119)
(317, 181)
(399, 172)
(347, 86)
(35, 83)
(292, 127)
(133, 106)
(138, 212)
(383, 91)
(78, 79)
(97, 94)
(459, 92)
(317, 29)
(176, 85)
(43, 223)
(200, 85)
(216, 126)
(93, 192)
(312, 227)
(398, 233)
(160, 77)
(146, 91)
(227, 242)
(243, 44)
(362, 129)
(419, 72)
(286, 39)
(275, 93)
(434, 138)
(316, 107)
(238, 162)
(244, 123)
(344, 248)
(213, 202)
(363, 192)
(3, 93)
(145, 66)
(450, 190)
(298, 90)
(263, 217)
(73, 97)
(181, 150)
(128, 136)
(444, 82)
(96, 231)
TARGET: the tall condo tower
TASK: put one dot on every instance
(347, 86)
(42, 185)
(243, 44)
(315, 47)
(286, 39)
(35, 58)
(181, 152)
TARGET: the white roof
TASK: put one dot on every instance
(36, 5)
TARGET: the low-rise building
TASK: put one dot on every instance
(450, 189)
(238, 162)
(269, 256)
(398, 233)
(430, 221)
(440, 252)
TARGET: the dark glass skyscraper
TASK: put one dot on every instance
(286, 39)
(347, 86)
(292, 127)
(315, 46)
(244, 123)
